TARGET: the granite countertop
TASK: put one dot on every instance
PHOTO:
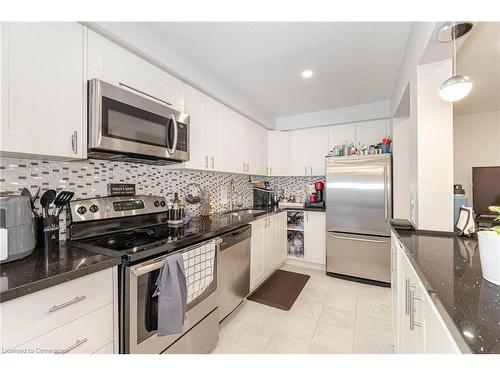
(41, 270)
(449, 267)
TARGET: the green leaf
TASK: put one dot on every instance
(496, 229)
(494, 209)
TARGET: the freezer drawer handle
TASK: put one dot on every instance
(358, 239)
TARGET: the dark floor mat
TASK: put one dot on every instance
(280, 290)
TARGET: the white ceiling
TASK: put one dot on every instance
(479, 58)
(353, 62)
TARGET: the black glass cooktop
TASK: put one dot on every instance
(137, 239)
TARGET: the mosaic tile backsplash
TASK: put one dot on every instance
(90, 178)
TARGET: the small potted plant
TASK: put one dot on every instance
(489, 250)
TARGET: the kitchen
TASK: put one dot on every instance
(125, 180)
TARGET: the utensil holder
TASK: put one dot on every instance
(47, 232)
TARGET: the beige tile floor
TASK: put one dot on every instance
(329, 316)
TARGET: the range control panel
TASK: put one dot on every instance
(115, 207)
(135, 204)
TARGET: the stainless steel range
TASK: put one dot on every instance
(135, 229)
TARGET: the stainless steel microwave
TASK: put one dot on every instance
(130, 125)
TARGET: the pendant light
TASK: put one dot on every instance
(457, 86)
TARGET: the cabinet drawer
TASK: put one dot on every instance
(106, 349)
(25, 318)
(84, 335)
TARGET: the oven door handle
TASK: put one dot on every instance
(141, 270)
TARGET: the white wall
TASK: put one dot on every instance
(355, 113)
(145, 42)
(476, 140)
(401, 167)
(434, 149)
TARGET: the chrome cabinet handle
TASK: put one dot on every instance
(356, 239)
(212, 162)
(206, 161)
(305, 170)
(386, 199)
(176, 135)
(74, 346)
(74, 142)
(311, 169)
(407, 297)
(413, 324)
(144, 93)
(244, 167)
(271, 171)
(66, 304)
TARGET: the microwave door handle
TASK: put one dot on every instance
(176, 134)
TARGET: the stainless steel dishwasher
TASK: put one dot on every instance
(234, 272)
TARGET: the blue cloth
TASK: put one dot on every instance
(171, 289)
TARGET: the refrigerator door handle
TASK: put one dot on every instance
(357, 239)
(386, 200)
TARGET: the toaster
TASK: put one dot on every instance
(17, 229)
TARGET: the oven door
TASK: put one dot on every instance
(141, 308)
(126, 122)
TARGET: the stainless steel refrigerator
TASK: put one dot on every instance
(358, 213)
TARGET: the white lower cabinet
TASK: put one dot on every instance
(268, 248)
(314, 237)
(418, 326)
(76, 316)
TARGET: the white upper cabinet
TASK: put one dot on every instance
(249, 147)
(341, 134)
(278, 153)
(198, 147)
(318, 149)
(262, 168)
(109, 62)
(43, 90)
(231, 132)
(211, 134)
(308, 148)
(371, 132)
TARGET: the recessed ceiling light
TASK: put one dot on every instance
(307, 74)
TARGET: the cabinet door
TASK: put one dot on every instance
(193, 104)
(231, 153)
(318, 149)
(438, 339)
(370, 132)
(249, 147)
(282, 237)
(116, 65)
(339, 135)
(257, 252)
(271, 252)
(299, 152)
(278, 152)
(211, 134)
(315, 237)
(262, 167)
(43, 90)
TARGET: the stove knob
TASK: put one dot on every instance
(162, 203)
(156, 203)
(93, 208)
(81, 210)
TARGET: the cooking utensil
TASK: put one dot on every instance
(62, 199)
(26, 193)
(46, 199)
(35, 196)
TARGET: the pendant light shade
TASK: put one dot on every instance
(455, 88)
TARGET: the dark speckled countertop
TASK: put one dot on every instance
(42, 270)
(450, 267)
